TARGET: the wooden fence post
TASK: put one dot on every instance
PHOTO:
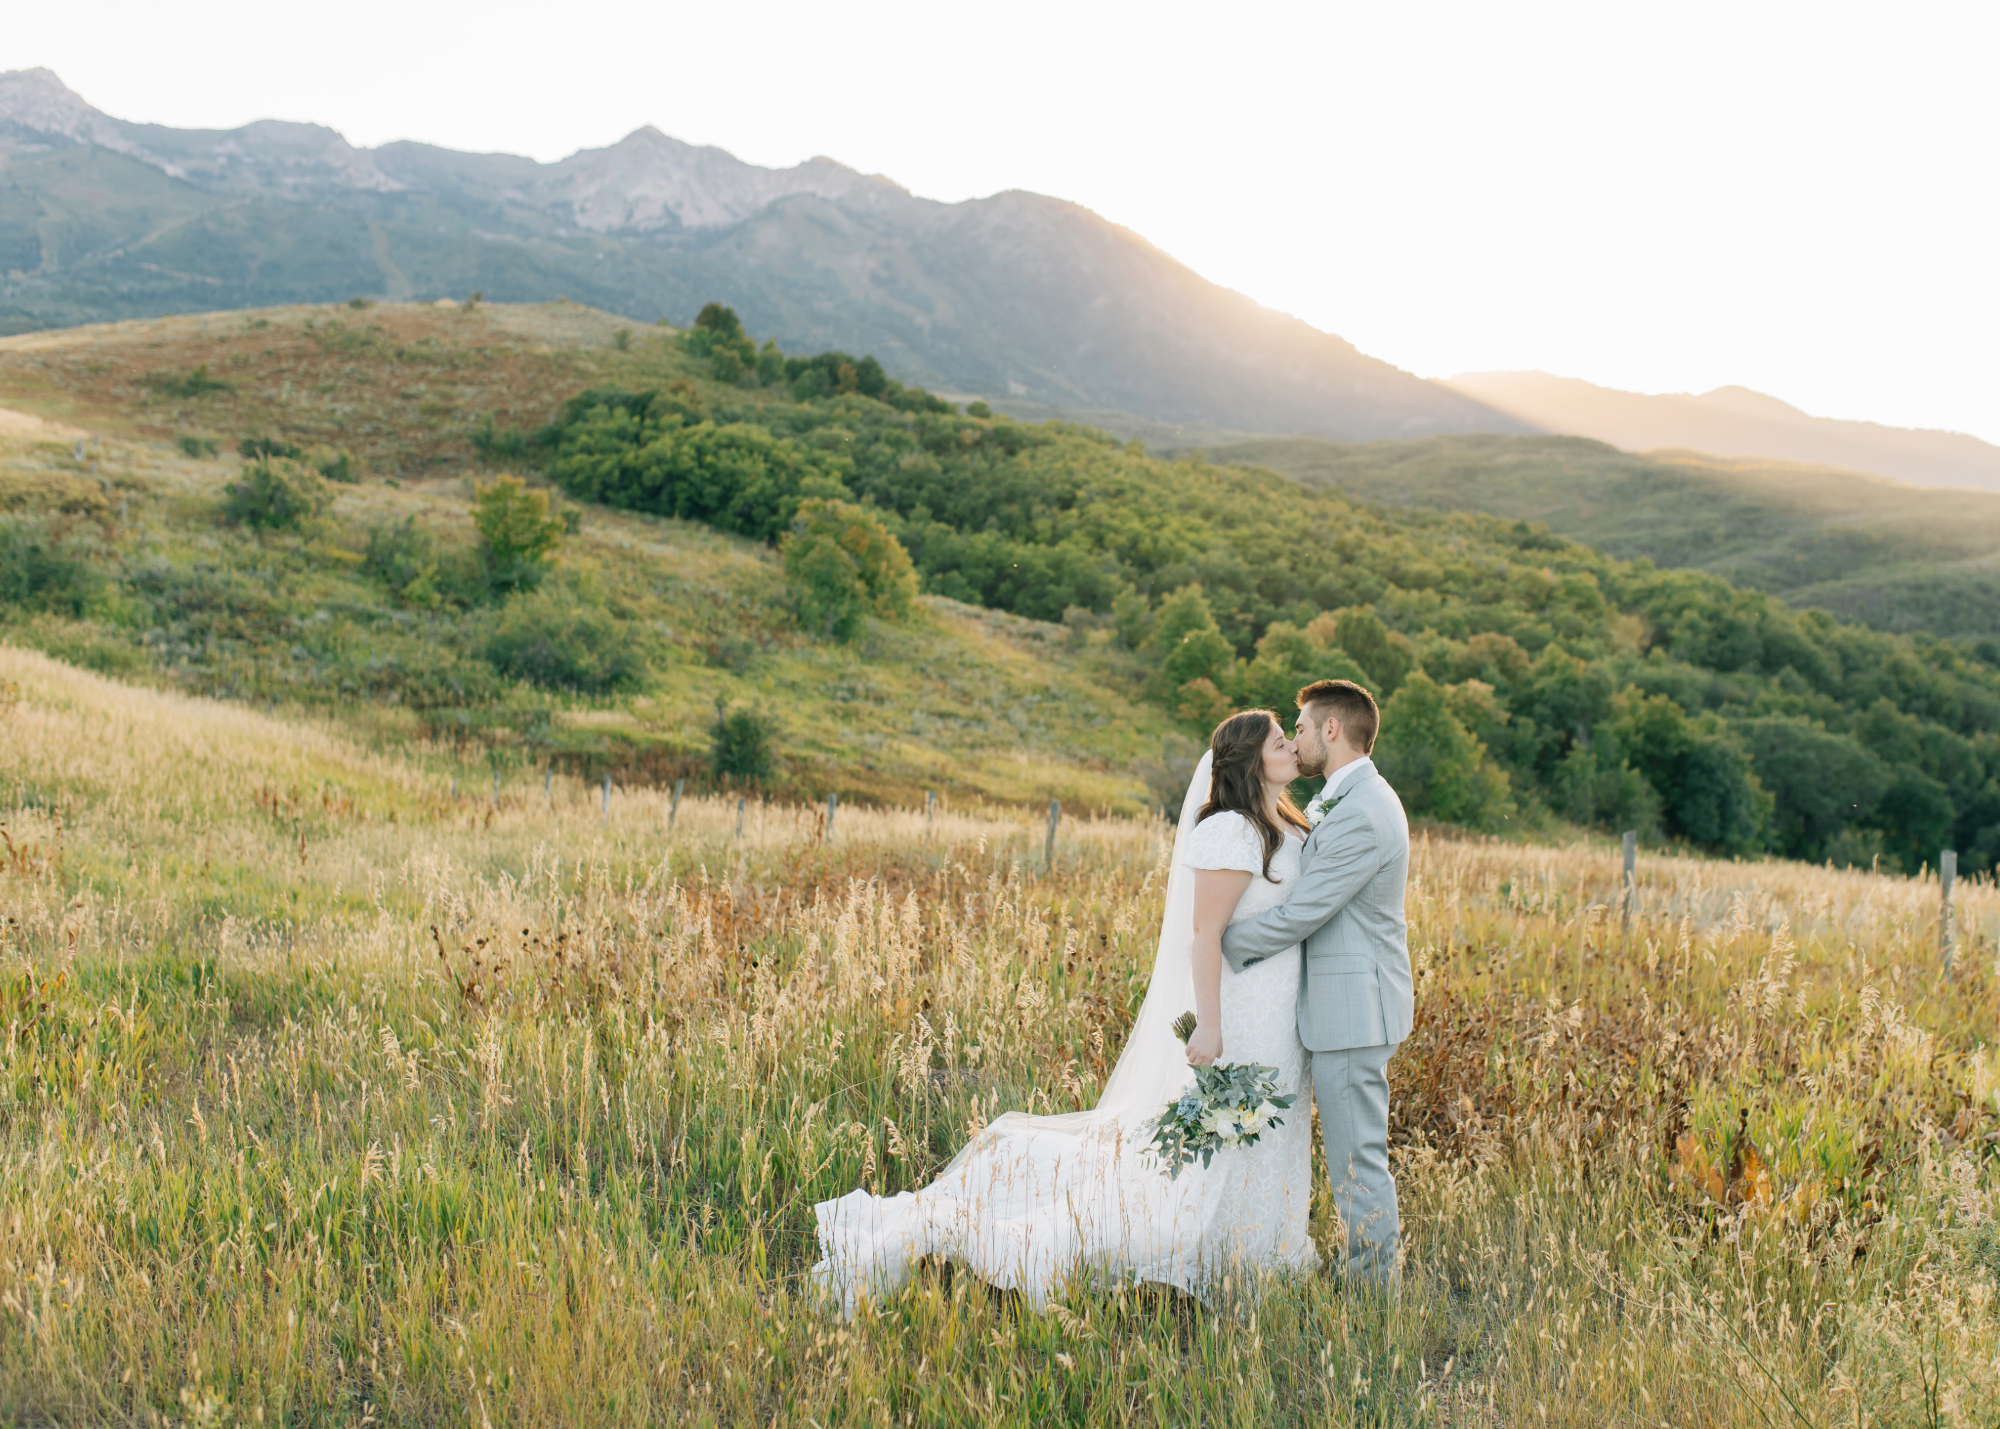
(740, 802)
(832, 803)
(1631, 873)
(548, 778)
(1049, 848)
(606, 818)
(930, 806)
(674, 809)
(1947, 876)
(496, 787)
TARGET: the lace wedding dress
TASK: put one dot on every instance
(1034, 1201)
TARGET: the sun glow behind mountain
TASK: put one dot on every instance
(1657, 201)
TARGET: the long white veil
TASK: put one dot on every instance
(1153, 1067)
(1154, 1062)
(1031, 1197)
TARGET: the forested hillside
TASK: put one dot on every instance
(1523, 672)
(1527, 678)
(1900, 558)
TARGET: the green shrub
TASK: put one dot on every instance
(554, 640)
(843, 565)
(404, 556)
(43, 568)
(739, 744)
(495, 444)
(264, 448)
(516, 534)
(197, 383)
(276, 493)
(198, 447)
(334, 465)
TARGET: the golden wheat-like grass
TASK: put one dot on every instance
(328, 1097)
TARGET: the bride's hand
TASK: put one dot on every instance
(1204, 1048)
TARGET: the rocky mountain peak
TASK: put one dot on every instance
(38, 101)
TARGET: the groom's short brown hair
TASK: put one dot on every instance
(1347, 702)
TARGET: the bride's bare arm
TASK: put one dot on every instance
(1217, 891)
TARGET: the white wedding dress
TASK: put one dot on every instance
(1035, 1201)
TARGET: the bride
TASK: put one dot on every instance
(1034, 1201)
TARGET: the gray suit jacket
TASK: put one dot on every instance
(1348, 911)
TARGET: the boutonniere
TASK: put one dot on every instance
(1316, 811)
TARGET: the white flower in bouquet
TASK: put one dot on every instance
(1226, 1127)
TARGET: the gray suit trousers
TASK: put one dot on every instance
(1351, 1087)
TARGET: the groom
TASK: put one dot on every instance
(1355, 999)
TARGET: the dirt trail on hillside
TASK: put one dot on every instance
(23, 424)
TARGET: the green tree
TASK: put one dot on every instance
(718, 335)
(1132, 618)
(1288, 659)
(517, 534)
(1596, 786)
(1183, 612)
(843, 565)
(1384, 654)
(275, 494)
(718, 322)
(1915, 816)
(1708, 793)
(739, 744)
(1435, 765)
(1823, 781)
(1196, 660)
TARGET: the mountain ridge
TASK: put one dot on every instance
(1736, 421)
(1012, 295)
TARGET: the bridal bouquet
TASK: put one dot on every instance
(1228, 1106)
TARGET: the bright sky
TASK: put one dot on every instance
(1803, 198)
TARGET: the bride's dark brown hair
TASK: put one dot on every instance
(1236, 779)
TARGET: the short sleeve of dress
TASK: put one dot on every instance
(1225, 840)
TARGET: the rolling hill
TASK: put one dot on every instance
(1735, 422)
(1884, 554)
(114, 555)
(1088, 601)
(1013, 296)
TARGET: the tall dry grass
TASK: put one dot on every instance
(328, 1098)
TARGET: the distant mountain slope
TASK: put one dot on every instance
(1017, 295)
(1876, 551)
(1734, 421)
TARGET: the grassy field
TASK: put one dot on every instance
(402, 385)
(327, 1097)
(1896, 557)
